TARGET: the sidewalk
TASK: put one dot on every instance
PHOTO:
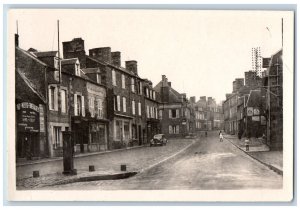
(260, 152)
(107, 165)
(46, 160)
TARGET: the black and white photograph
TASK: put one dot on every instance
(150, 105)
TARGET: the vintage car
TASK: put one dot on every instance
(158, 139)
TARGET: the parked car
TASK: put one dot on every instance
(158, 139)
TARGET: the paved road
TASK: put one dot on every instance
(209, 164)
(135, 159)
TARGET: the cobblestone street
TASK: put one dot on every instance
(207, 165)
(136, 159)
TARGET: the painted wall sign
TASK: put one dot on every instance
(249, 111)
(42, 118)
(256, 111)
(256, 118)
(28, 118)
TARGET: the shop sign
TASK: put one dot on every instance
(42, 118)
(255, 118)
(256, 111)
(249, 111)
(28, 118)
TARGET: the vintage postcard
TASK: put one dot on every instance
(150, 105)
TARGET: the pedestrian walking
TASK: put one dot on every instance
(221, 136)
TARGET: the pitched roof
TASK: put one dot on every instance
(46, 54)
(31, 55)
(30, 85)
(254, 98)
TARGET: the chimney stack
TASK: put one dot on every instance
(132, 66)
(17, 40)
(170, 84)
(116, 58)
(101, 53)
(193, 99)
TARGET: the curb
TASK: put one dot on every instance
(273, 168)
(79, 156)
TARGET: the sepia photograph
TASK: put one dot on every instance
(150, 105)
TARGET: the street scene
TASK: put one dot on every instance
(175, 101)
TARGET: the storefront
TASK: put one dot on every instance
(89, 134)
(28, 130)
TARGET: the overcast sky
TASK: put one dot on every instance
(200, 52)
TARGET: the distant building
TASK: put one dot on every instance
(237, 84)
(252, 80)
(173, 111)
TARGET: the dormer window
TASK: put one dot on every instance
(77, 69)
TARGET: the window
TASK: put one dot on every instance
(53, 102)
(154, 95)
(98, 78)
(56, 137)
(133, 107)
(124, 104)
(100, 108)
(147, 111)
(79, 105)
(147, 92)
(140, 108)
(132, 85)
(92, 106)
(160, 114)
(123, 81)
(51, 98)
(140, 88)
(173, 129)
(77, 69)
(174, 113)
(63, 96)
(114, 77)
(118, 103)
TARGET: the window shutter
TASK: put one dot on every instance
(49, 97)
(170, 113)
(75, 105)
(82, 105)
(56, 99)
(170, 129)
(177, 113)
(177, 129)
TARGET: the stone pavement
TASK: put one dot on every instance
(260, 152)
(105, 164)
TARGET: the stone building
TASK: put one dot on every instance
(173, 111)
(125, 92)
(151, 110)
(274, 102)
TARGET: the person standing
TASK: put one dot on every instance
(221, 136)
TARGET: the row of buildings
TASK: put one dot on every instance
(254, 108)
(104, 105)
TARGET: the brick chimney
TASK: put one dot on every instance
(17, 40)
(170, 84)
(116, 58)
(132, 66)
(101, 53)
(75, 49)
(193, 99)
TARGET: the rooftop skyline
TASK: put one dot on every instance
(201, 52)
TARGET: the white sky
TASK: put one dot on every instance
(201, 52)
